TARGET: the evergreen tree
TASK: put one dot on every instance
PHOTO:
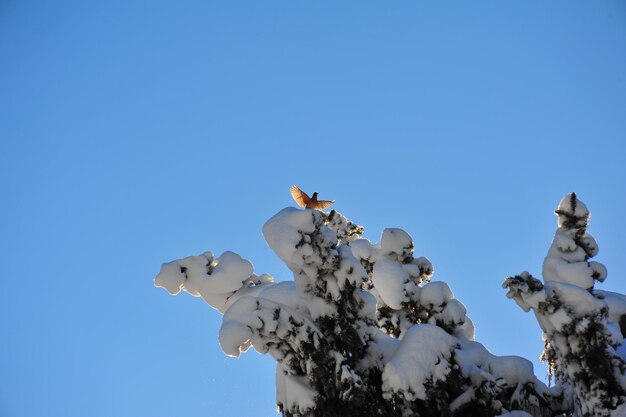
(579, 339)
(363, 331)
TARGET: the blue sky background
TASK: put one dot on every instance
(136, 132)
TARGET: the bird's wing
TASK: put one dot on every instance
(300, 196)
(322, 204)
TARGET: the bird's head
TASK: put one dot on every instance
(314, 195)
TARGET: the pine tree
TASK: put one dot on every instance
(363, 331)
(579, 339)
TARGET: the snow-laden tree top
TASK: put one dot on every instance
(361, 330)
(568, 257)
(581, 325)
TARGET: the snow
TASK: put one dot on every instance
(345, 230)
(511, 369)
(521, 291)
(214, 279)
(565, 243)
(454, 312)
(477, 364)
(422, 356)
(567, 204)
(555, 268)
(282, 292)
(616, 303)
(389, 279)
(435, 294)
(268, 326)
(437, 298)
(615, 333)
(425, 265)
(293, 393)
(395, 273)
(173, 276)
(286, 234)
(234, 338)
(569, 302)
(572, 246)
(368, 303)
(621, 351)
(599, 270)
(620, 411)
(396, 243)
(466, 330)
(228, 273)
(579, 300)
(318, 307)
(350, 269)
(384, 345)
(362, 249)
(516, 414)
(616, 317)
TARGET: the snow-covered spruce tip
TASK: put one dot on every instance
(568, 257)
(580, 325)
(361, 330)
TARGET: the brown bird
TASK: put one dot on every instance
(304, 200)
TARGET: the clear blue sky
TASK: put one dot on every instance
(137, 132)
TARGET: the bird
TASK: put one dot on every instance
(304, 200)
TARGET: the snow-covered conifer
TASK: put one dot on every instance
(572, 247)
(361, 330)
(580, 341)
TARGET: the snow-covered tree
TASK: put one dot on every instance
(363, 331)
(581, 325)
